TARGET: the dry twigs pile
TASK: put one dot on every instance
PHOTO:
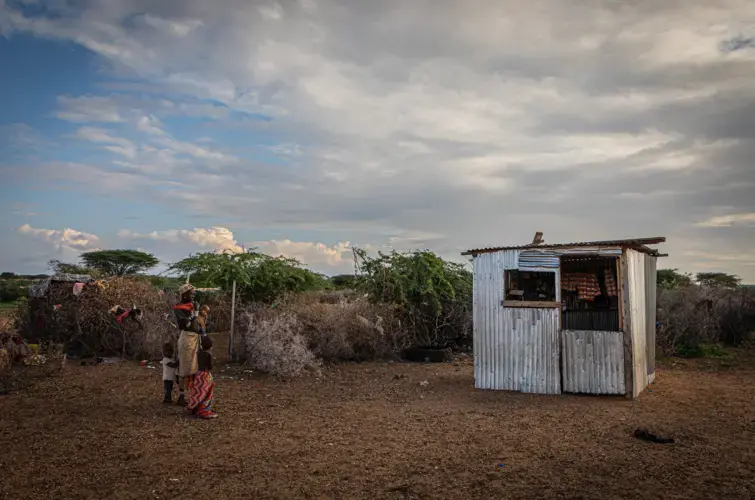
(285, 339)
(84, 322)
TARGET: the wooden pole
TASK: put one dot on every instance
(233, 320)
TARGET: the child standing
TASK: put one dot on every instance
(170, 372)
(202, 383)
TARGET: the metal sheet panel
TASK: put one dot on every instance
(487, 294)
(638, 319)
(600, 251)
(651, 284)
(538, 259)
(515, 349)
(593, 362)
(531, 345)
(509, 259)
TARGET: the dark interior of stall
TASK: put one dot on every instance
(589, 293)
(530, 285)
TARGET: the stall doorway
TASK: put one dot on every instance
(590, 293)
(592, 347)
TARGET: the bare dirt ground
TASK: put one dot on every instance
(373, 431)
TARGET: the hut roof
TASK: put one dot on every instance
(639, 244)
(40, 289)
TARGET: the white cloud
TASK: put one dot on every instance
(271, 11)
(150, 125)
(318, 256)
(87, 109)
(337, 258)
(215, 238)
(64, 238)
(744, 219)
(116, 145)
(710, 259)
(188, 148)
(475, 125)
(179, 28)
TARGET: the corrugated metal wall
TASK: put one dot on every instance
(593, 362)
(532, 259)
(515, 349)
(638, 320)
(521, 349)
(651, 283)
(530, 361)
(605, 321)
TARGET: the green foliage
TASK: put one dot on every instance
(701, 350)
(58, 267)
(119, 262)
(11, 293)
(433, 295)
(718, 280)
(344, 281)
(259, 277)
(671, 279)
(14, 287)
(165, 282)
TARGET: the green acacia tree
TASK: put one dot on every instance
(119, 262)
(718, 280)
(672, 279)
(58, 267)
(433, 295)
(259, 277)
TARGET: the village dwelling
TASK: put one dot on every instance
(573, 317)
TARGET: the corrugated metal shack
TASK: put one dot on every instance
(573, 317)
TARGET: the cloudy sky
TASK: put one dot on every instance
(303, 127)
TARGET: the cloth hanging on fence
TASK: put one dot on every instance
(78, 288)
(123, 316)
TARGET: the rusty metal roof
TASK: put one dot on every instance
(635, 243)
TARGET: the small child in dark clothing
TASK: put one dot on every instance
(204, 357)
(169, 372)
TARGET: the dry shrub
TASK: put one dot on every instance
(695, 316)
(330, 331)
(274, 344)
(348, 330)
(6, 323)
(220, 307)
(85, 320)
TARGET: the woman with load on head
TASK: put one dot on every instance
(191, 330)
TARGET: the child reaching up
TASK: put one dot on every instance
(170, 372)
(202, 383)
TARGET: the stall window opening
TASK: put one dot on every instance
(590, 293)
(529, 286)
